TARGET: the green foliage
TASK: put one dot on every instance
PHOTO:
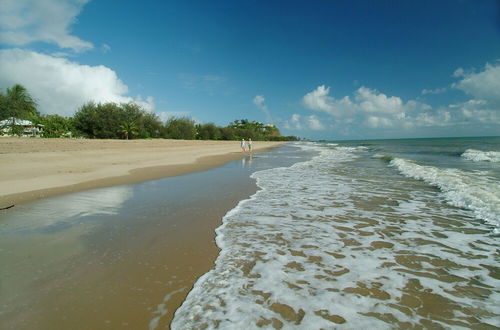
(208, 132)
(151, 126)
(3, 107)
(244, 129)
(228, 133)
(55, 126)
(180, 128)
(128, 128)
(284, 138)
(17, 103)
(114, 121)
(99, 121)
(16, 130)
(126, 120)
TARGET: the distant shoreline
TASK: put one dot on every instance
(32, 169)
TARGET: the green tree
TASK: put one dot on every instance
(208, 132)
(112, 121)
(131, 111)
(18, 103)
(243, 129)
(128, 129)
(16, 130)
(180, 128)
(151, 126)
(55, 126)
(99, 121)
(228, 133)
(3, 106)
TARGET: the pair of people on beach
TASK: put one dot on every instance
(249, 144)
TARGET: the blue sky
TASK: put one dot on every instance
(316, 69)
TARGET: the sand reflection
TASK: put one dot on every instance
(62, 212)
(41, 242)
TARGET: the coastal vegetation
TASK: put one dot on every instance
(123, 121)
(17, 103)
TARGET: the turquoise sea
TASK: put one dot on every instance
(374, 234)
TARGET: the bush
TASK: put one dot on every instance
(180, 128)
(55, 126)
(113, 121)
(208, 132)
(99, 121)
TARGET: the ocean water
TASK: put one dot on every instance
(375, 234)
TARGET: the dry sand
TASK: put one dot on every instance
(31, 169)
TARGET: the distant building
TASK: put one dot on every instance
(25, 128)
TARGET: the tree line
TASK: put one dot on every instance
(126, 121)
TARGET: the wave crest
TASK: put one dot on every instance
(481, 156)
(474, 191)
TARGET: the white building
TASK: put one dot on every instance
(27, 128)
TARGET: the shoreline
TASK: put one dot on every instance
(131, 268)
(78, 165)
(136, 266)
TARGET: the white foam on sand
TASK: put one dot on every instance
(161, 310)
(317, 248)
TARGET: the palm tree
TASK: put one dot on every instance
(128, 128)
(18, 103)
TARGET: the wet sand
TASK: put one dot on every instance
(118, 257)
(31, 169)
(126, 272)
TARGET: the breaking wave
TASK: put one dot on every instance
(481, 156)
(475, 191)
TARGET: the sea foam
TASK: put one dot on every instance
(324, 244)
(481, 156)
(475, 191)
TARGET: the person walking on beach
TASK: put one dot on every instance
(249, 145)
(242, 145)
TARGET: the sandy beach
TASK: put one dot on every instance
(31, 169)
(100, 258)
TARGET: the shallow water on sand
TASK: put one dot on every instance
(391, 234)
(117, 257)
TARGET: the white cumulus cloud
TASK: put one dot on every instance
(319, 99)
(368, 106)
(371, 101)
(25, 21)
(378, 122)
(298, 122)
(314, 123)
(62, 86)
(366, 101)
(476, 111)
(484, 85)
(295, 122)
(378, 111)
